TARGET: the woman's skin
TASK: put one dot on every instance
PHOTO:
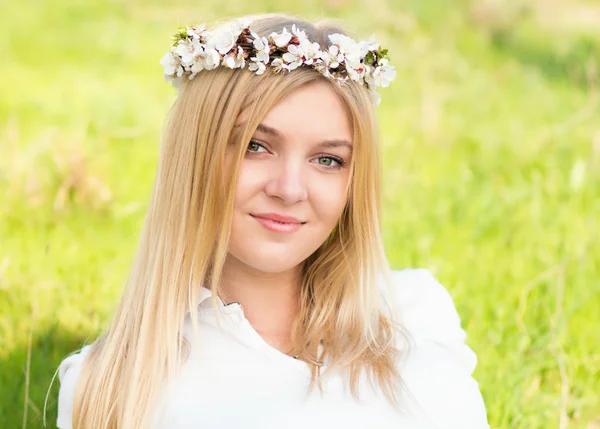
(290, 168)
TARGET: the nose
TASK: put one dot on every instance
(286, 182)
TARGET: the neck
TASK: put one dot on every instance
(270, 300)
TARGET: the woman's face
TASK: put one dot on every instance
(291, 188)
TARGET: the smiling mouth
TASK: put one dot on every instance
(278, 226)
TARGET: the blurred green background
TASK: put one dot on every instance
(491, 135)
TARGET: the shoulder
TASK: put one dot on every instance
(427, 311)
(437, 369)
(68, 374)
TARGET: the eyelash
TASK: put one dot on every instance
(341, 163)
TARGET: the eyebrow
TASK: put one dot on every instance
(324, 144)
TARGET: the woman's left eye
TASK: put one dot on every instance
(330, 161)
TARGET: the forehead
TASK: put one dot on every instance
(314, 111)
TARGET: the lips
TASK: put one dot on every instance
(276, 222)
(277, 217)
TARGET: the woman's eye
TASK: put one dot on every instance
(327, 161)
(330, 162)
(255, 147)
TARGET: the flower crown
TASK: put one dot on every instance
(195, 49)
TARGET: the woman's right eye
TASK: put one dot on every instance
(255, 147)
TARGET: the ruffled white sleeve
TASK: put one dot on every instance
(68, 373)
(438, 370)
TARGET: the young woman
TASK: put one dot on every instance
(260, 295)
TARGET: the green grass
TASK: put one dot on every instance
(491, 136)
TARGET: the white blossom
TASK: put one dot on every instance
(198, 66)
(322, 67)
(295, 54)
(229, 61)
(278, 64)
(261, 44)
(171, 65)
(238, 25)
(332, 57)
(199, 31)
(352, 56)
(187, 51)
(281, 39)
(240, 57)
(301, 34)
(262, 56)
(384, 74)
(343, 41)
(235, 60)
(222, 41)
(368, 45)
(211, 59)
(311, 51)
(357, 74)
(350, 50)
(258, 66)
(292, 66)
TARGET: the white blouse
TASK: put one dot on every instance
(234, 379)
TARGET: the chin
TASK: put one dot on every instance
(271, 268)
(275, 261)
(269, 257)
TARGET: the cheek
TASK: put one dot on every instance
(250, 182)
(329, 198)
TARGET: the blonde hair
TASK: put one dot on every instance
(184, 243)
